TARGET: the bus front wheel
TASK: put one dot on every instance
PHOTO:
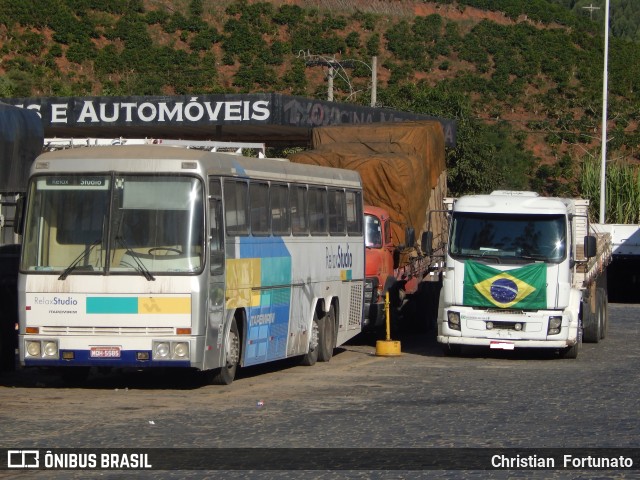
(226, 374)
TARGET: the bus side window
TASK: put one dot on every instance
(318, 211)
(337, 223)
(280, 221)
(236, 207)
(299, 218)
(259, 204)
(354, 213)
(216, 232)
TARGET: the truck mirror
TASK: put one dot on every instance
(409, 237)
(426, 243)
(17, 217)
(589, 246)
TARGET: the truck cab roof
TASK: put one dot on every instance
(513, 202)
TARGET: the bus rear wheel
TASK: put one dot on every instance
(327, 338)
(226, 374)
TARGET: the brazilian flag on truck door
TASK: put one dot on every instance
(524, 287)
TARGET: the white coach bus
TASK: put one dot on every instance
(154, 256)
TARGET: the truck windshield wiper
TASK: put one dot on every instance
(73, 265)
(528, 256)
(484, 256)
(141, 268)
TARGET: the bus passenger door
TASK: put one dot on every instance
(215, 242)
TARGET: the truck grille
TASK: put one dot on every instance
(504, 325)
(504, 311)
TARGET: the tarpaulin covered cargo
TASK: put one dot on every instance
(402, 165)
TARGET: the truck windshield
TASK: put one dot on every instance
(373, 232)
(508, 237)
(128, 224)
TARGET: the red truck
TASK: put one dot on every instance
(402, 165)
(384, 271)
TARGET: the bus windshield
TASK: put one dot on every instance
(118, 223)
(508, 237)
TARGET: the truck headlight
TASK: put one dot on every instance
(555, 324)
(370, 289)
(453, 320)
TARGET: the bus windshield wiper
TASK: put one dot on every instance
(73, 265)
(141, 268)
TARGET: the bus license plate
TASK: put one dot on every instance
(105, 352)
(502, 345)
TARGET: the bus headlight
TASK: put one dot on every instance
(33, 348)
(50, 349)
(453, 320)
(555, 324)
(161, 350)
(180, 350)
(47, 349)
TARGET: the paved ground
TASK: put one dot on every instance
(358, 400)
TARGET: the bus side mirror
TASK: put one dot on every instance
(426, 243)
(589, 246)
(18, 221)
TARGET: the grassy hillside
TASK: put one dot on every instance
(523, 78)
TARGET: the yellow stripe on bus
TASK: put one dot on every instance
(162, 305)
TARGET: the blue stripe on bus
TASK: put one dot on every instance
(263, 247)
(268, 323)
(275, 271)
(268, 334)
(112, 304)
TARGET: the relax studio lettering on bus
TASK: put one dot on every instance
(340, 259)
(55, 301)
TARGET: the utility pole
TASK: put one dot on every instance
(603, 170)
(336, 67)
(330, 83)
(374, 81)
